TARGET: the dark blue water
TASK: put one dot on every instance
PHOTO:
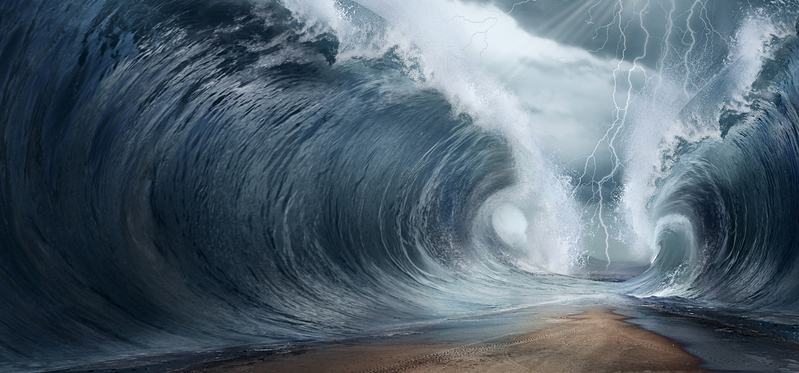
(179, 176)
(726, 211)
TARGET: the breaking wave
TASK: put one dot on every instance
(186, 175)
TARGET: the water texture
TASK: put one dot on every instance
(179, 176)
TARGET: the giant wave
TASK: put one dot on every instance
(187, 175)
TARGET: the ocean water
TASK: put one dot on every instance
(181, 176)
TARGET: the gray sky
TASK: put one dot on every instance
(596, 25)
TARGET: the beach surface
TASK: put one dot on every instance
(589, 340)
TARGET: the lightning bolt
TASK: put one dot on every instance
(517, 4)
(697, 43)
(690, 33)
(620, 112)
(485, 32)
(590, 20)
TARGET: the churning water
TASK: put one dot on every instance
(184, 175)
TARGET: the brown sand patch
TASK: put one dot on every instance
(597, 340)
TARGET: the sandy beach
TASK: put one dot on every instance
(595, 340)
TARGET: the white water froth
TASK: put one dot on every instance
(540, 95)
(547, 98)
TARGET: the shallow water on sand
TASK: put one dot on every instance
(545, 338)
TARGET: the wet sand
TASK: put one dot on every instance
(596, 340)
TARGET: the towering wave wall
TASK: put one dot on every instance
(725, 215)
(185, 175)
(178, 175)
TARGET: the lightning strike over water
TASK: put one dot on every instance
(182, 179)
